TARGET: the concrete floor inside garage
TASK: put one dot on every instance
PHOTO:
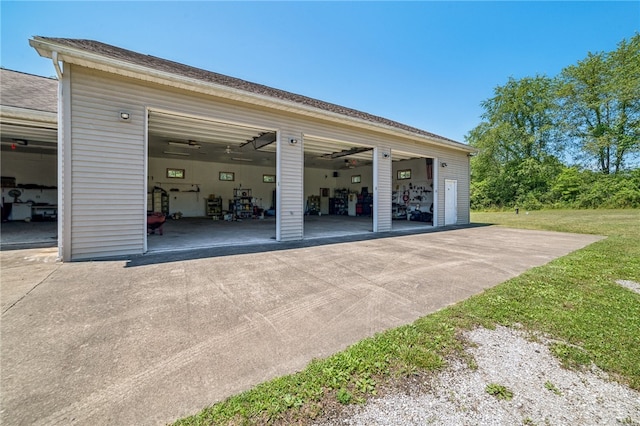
(190, 233)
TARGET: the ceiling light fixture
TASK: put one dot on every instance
(184, 154)
(190, 144)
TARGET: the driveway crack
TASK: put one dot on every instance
(28, 292)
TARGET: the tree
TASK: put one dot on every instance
(600, 103)
(592, 108)
(519, 120)
(516, 141)
(625, 85)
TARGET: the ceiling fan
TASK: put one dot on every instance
(230, 151)
(235, 155)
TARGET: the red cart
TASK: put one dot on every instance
(155, 221)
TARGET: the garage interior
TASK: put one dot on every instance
(213, 184)
(28, 151)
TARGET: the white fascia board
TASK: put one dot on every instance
(127, 69)
(23, 116)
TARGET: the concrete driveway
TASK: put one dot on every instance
(114, 343)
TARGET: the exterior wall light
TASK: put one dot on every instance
(125, 116)
(293, 141)
(443, 164)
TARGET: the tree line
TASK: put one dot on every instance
(572, 140)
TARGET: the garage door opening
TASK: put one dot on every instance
(29, 185)
(413, 191)
(338, 188)
(209, 183)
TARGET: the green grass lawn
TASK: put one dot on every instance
(575, 299)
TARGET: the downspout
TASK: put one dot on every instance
(56, 64)
(59, 160)
(64, 162)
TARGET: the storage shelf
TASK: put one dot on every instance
(242, 203)
(213, 207)
(158, 201)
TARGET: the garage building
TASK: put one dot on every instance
(229, 161)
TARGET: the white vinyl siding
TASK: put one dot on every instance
(109, 157)
(64, 166)
(457, 169)
(107, 173)
(382, 189)
(290, 206)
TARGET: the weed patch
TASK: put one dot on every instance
(552, 388)
(499, 391)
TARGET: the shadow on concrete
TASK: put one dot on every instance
(221, 251)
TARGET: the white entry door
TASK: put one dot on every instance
(450, 202)
(324, 200)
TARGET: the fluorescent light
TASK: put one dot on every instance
(185, 154)
(185, 145)
(241, 159)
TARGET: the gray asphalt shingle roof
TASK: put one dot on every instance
(176, 68)
(28, 91)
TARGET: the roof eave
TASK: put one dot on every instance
(91, 60)
(28, 115)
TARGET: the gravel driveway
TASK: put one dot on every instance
(543, 392)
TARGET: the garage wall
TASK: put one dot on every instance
(382, 189)
(419, 177)
(366, 177)
(107, 169)
(204, 175)
(39, 169)
(457, 169)
(109, 157)
(314, 179)
(290, 176)
(46, 196)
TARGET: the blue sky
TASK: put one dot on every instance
(426, 64)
